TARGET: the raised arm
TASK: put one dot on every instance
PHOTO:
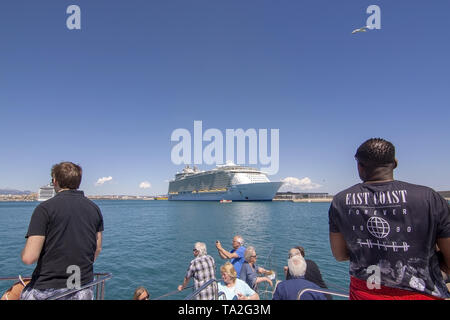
(224, 254)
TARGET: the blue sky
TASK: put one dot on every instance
(109, 96)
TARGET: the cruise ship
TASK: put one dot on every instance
(46, 192)
(225, 182)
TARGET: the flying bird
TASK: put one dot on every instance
(363, 29)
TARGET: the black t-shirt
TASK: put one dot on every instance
(70, 222)
(394, 226)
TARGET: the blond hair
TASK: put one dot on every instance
(228, 268)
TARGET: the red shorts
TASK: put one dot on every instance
(360, 291)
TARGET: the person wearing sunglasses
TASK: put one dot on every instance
(202, 268)
(249, 270)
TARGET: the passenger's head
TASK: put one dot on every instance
(302, 250)
(376, 157)
(294, 252)
(238, 241)
(228, 273)
(297, 266)
(250, 254)
(67, 175)
(141, 294)
(200, 247)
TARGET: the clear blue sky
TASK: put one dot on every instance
(108, 96)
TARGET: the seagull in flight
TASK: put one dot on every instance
(363, 29)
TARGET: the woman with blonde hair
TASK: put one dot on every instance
(232, 287)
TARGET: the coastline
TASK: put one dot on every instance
(305, 200)
(34, 196)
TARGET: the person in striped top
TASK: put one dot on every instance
(202, 269)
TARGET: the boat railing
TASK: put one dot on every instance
(98, 284)
(338, 294)
(213, 282)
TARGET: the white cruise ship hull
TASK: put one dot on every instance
(264, 191)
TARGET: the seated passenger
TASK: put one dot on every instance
(249, 270)
(233, 288)
(141, 294)
(312, 270)
(289, 289)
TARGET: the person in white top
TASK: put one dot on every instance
(232, 287)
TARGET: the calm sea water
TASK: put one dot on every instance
(150, 243)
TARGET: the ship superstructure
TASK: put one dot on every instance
(46, 192)
(225, 182)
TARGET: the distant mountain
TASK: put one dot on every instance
(14, 192)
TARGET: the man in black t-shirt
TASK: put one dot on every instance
(389, 230)
(64, 237)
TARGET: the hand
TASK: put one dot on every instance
(241, 296)
(269, 281)
(180, 287)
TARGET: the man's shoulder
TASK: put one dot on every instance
(418, 191)
(91, 203)
(60, 201)
(351, 189)
(409, 185)
(311, 264)
(205, 257)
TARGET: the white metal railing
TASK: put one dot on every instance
(300, 293)
(98, 283)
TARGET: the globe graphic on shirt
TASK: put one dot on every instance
(378, 227)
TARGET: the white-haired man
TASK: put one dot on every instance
(202, 269)
(236, 254)
(289, 289)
